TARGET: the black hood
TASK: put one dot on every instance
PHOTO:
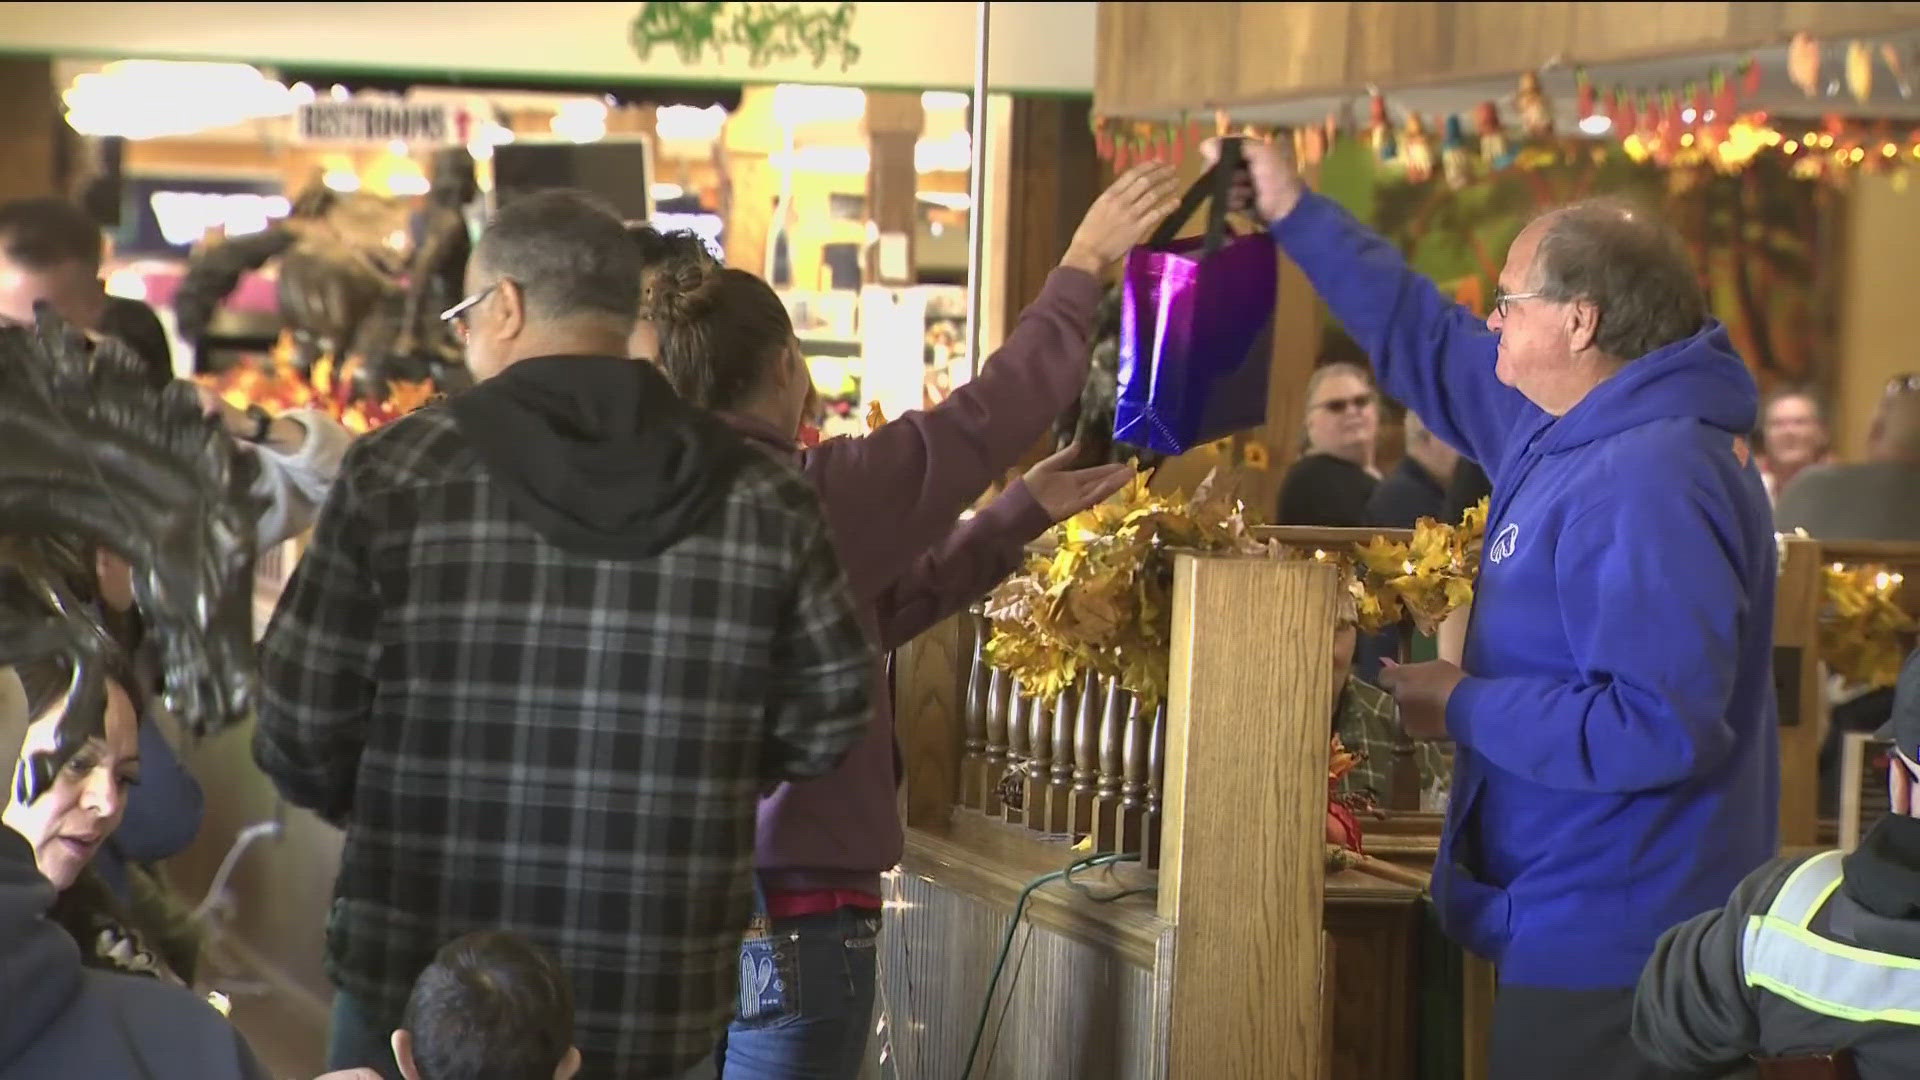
(599, 453)
(39, 963)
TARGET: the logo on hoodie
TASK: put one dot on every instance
(1503, 544)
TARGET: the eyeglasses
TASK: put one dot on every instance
(1501, 299)
(457, 314)
(1902, 384)
(1339, 406)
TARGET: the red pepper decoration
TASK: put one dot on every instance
(1698, 92)
(1750, 78)
(1611, 103)
(1725, 102)
(1673, 103)
(1583, 87)
(1650, 115)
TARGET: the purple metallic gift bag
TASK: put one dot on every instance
(1196, 326)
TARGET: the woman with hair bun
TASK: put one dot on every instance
(892, 501)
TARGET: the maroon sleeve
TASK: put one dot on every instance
(974, 557)
(896, 492)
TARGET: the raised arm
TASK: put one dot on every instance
(979, 552)
(317, 662)
(1429, 353)
(920, 471)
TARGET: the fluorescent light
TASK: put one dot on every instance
(823, 159)
(408, 183)
(945, 101)
(947, 200)
(954, 153)
(581, 121)
(1596, 125)
(147, 99)
(341, 180)
(795, 104)
(664, 192)
(684, 123)
(185, 216)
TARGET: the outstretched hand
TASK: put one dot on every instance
(1272, 187)
(1123, 216)
(1063, 491)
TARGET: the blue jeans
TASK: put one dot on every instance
(806, 1000)
(357, 1040)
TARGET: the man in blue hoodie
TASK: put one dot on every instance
(1617, 768)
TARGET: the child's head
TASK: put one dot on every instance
(491, 1006)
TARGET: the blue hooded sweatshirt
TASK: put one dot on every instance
(1617, 768)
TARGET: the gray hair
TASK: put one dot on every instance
(569, 254)
(1630, 267)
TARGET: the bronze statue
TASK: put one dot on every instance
(346, 289)
(96, 458)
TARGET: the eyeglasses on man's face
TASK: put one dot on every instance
(1502, 298)
(459, 313)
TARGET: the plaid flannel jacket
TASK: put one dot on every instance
(519, 738)
(1368, 721)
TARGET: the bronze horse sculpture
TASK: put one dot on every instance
(94, 458)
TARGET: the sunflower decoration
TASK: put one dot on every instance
(1863, 630)
(1100, 599)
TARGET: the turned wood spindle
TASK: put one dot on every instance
(1106, 793)
(994, 762)
(1006, 780)
(979, 687)
(1086, 753)
(1060, 782)
(1039, 761)
(1156, 776)
(1133, 788)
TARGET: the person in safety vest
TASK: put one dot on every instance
(1814, 956)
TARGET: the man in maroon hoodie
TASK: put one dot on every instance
(892, 501)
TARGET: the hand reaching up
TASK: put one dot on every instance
(1272, 188)
(1063, 491)
(1122, 216)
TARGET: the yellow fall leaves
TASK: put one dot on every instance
(1863, 631)
(1424, 579)
(1102, 600)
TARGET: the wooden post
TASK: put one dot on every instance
(35, 139)
(930, 676)
(1796, 664)
(979, 701)
(750, 180)
(1243, 859)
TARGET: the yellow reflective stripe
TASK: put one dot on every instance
(1850, 953)
(1806, 888)
(1820, 901)
(1829, 977)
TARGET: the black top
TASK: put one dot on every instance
(1408, 494)
(1468, 487)
(1324, 490)
(134, 325)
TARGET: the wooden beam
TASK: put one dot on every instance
(1243, 864)
(1157, 59)
(34, 139)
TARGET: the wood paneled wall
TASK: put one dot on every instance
(1162, 58)
(1064, 1008)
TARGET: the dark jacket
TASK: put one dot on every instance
(1408, 494)
(1708, 998)
(62, 1020)
(1324, 490)
(549, 643)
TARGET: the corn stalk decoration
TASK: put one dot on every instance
(768, 32)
